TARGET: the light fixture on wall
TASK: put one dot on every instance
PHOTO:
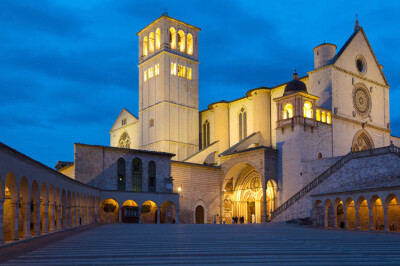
(179, 188)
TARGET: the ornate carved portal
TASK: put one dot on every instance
(362, 141)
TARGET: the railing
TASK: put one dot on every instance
(331, 170)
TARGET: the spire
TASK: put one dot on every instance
(295, 75)
(357, 26)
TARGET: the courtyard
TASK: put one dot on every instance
(160, 244)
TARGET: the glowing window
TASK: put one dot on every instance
(158, 38)
(157, 69)
(189, 44)
(206, 134)
(328, 118)
(307, 110)
(151, 72)
(318, 115)
(189, 73)
(288, 111)
(181, 41)
(151, 42)
(173, 69)
(323, 117)
(145, 46)
(181, 71)
(145, 75)
(172, 38)
(242, 124)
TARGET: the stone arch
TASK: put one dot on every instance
(35, 209)
(11, 208)
(69, 214)
(168, 213)
(362, 141)
(63, 209)
(73, 209)
(339, 208)
(378, 221)
(318, 213)
(363, 213)
(109, 211)
(25, 210)
(148, 212)
(51, 213)
(350, 213)
(393, 212)
(271, 196)
(329, 213)
(197, 215)
(243, 177)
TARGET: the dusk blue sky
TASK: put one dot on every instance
(69, 67)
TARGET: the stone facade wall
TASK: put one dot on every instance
(97, 166)
(201, 185)
(68, 171)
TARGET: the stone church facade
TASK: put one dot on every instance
(317, 147)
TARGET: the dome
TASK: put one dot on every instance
(295, 85)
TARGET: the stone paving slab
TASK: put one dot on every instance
(277, 243)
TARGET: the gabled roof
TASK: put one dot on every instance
(123, 110)
(347, 43)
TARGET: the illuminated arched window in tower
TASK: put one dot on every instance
(151, 42)
(145, 46)
(318, 115)
(181, 41)
(307, 110)
(152, 176)
(328, 118)
(124, 141)
(172, 38)
(323, 117)
(242, 124)
(288, 111)
(206, 134)
(121, 174)
(158, 38)
(137, 174)
(189, 43)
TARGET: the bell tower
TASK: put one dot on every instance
(169, 87)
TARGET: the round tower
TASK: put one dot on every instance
(323, 54)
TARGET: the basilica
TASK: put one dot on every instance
(317, 148)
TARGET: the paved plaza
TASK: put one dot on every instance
(162, 244)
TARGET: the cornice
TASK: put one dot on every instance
(360, 123)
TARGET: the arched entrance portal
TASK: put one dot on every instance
(109, 211)
(362, 141)
(199, 215)
(130, 212)
(244, 195)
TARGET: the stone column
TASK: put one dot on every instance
(120, 215)
(346, 226)
(52, 217)
(264, 216)
(326, 220)
(45, 221)
(27, 219)
(357, 218)
(15, 221)
(371, 219)
(1, 220)
(78, 215)
(140, 215)
(335, 222)
(177, 217)
(69, 215)
(64, 216)
(158, 215)
(36, 222)
(73, 219)
(385, 218)
(58, 216)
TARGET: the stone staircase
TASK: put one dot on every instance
(331, 170)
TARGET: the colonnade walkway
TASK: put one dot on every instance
(161, 244)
